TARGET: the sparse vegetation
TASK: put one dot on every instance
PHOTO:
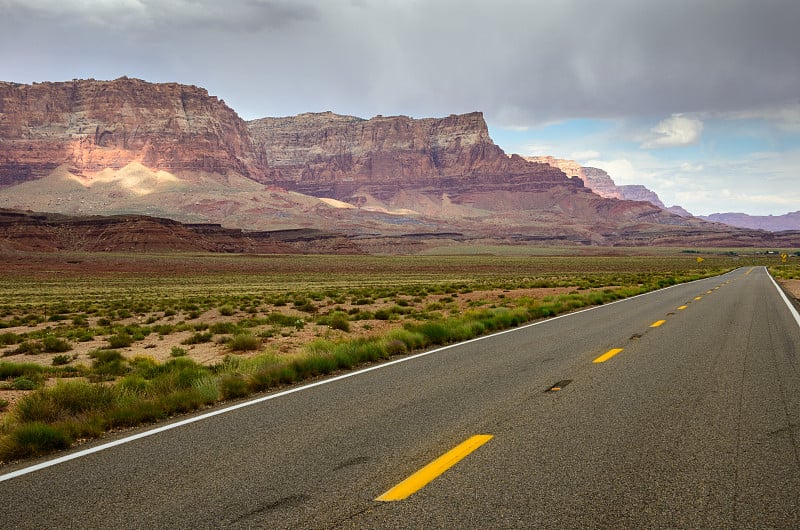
(273, 324)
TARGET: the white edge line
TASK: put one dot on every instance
(163, 428)
(789, 304)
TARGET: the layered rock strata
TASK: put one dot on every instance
(94, 125)
(327, 155)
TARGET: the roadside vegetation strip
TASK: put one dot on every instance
(61, 406)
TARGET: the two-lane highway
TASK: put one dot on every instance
(676, 409)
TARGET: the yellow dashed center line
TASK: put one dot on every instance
(424, 476)
(657, 323)
(607, 355)
(698, 297)
(682, 307)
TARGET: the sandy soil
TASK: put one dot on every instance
(793, 287)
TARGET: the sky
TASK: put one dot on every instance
(699, 100)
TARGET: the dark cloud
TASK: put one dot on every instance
(520, 62)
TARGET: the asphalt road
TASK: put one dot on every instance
(695, 423)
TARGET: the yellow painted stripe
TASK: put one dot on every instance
(607, 355)
(421, 478)
(698, 297)
(683, 307)
(657, 323)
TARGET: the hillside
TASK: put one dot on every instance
(127, 146)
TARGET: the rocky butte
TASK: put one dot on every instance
(94, 125)
(90, 147)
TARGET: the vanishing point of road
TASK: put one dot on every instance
(675, 409)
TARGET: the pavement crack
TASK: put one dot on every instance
(290, 501)
(352, 462)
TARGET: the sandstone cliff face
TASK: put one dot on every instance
(328, 155)
(169, 150)
(93, 125)
(570, 167)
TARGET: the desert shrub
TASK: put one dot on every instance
(244, 342)
(336, 320)
(3, 405)
(60, 360)
(314, 364)
(361, 315)
(226, 310)
(133, 384)
(395, 347)
(412, 339)
(108, 362)
(383, 314)
(198, 338)
(135, 411)
(145, 367)
(280, 319)
(8, 339)
(270, 376)
(31, 371)
(434, 332)
(185, 400)
(23, 383)
(178, 373)
(53, 344)
(63, 401)
(207, 388)
(84, 336)
(223, 328)
(29, 347)
(305, 305)
(233, 386)
(163, 329)
(33, 439)
(361, 350)
(121, 340)
(177, 351)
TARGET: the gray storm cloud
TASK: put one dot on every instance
(520, 62)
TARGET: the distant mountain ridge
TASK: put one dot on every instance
(600, 182)
(88, 147)
(772, 223)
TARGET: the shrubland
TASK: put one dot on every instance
(96, 349)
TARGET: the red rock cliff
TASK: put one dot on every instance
(92, 125)
(329, 155)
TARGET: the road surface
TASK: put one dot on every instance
(675, 409)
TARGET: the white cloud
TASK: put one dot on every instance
(675, 131)
(584, 155)
(620, 170)
(688, 167)
(536, 150)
